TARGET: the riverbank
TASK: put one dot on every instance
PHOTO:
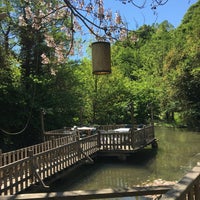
(175, 125)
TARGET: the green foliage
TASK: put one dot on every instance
(155, 72)
(185, 66)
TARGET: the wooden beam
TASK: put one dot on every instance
(92, 194)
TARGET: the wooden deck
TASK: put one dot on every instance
(25, 167)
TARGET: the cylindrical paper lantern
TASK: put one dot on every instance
(101, 58)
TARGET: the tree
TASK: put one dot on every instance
(38, 79)
(153, 55)
(88, 14)
(185, 65)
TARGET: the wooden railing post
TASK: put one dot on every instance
(54, 142)
(99, 139)
(77, 135)
(31, 165)
(132, 138)
(78, 148)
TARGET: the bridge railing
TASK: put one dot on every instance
(188, 188)
(115, 141)
(118, 140)
(13, 156)
(127, 141)
(19, 175)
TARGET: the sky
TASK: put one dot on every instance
(173, 11)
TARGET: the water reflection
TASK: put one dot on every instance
(178, 152)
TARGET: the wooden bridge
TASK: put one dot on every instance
(25, 167)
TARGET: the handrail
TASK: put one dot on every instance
(187, 188)
(135, 139)
(19, 175)
(13, 156)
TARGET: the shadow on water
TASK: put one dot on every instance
(142, 157)
(106, 172)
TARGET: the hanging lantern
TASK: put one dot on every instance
(101, 58)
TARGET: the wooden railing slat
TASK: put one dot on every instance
(13, 156)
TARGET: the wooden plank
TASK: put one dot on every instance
(92, 194)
